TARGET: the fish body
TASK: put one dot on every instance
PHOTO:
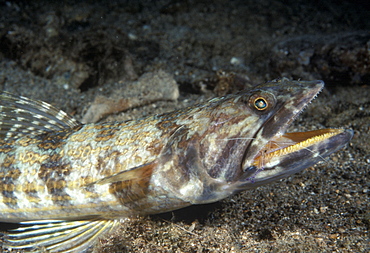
(67, 183)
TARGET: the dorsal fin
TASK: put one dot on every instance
(57, 235)
(20, 116)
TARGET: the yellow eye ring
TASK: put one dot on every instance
(260, 103)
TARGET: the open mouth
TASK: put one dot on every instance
(273, 154)
(289, 143)
(290, 153)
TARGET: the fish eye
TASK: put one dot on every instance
(260, 103)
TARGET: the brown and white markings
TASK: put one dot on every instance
(67, 183)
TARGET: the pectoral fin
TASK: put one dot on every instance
(131, 185)
(57, 235)
(137, 173)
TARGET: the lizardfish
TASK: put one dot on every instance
(68, 183)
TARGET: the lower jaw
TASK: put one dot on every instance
(288, 143)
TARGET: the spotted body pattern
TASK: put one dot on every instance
(67, 182)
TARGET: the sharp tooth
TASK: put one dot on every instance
(292, 142)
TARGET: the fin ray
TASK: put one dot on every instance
(21, 116)
(57, 235)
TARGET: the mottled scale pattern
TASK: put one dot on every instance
(50, 173)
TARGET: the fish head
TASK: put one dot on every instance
(251, 147)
